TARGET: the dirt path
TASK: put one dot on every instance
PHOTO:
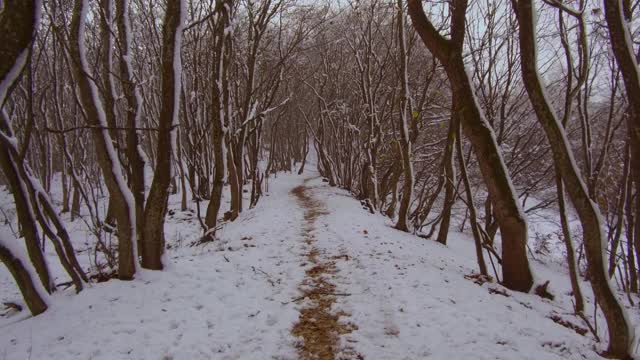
(318, 325)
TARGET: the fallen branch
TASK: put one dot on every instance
(569, 325)
(593, 331)
(11, 305)
(498, 291)
(269, 277)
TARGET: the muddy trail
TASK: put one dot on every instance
(319, 326)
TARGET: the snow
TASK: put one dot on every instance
(207, 306)
(410, 300)
(234, 298)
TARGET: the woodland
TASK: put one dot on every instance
(512, 124)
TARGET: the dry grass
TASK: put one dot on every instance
(318, 326)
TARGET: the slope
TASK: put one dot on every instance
(390, 295)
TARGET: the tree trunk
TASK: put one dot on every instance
(620, 207)
(449, 182)
(568, 242)
(305, 153)
(26, 217)
(154, 213)
(618, 16)
(219, 114)
(621, 333)
(120, 196)
(31, 293)
(513, 226)
(183, 182)
(133, 112)
(473, 218)
(405, 119)
(16, 35)
(236, 195)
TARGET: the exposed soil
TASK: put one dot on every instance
(318, 325)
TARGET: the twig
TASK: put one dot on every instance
(269, 277)
(593, 331)
(498, 291)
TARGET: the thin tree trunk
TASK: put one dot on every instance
(568, 242)
(473, 219)
(120, 196)
(405, 119)
(236, 195)
(133, 112)
(618, 16)
(183, 183)
(31, 293)
(16, 35)
(154, 213)
(622, 200)
(26, 217)
(219, 114)
(449, 179)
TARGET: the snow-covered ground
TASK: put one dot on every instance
(410, 300)
(238, 298)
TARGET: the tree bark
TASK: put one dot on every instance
(154, 213)
(133, 112)
(16, 35)
(568, 242)
(34, 299)
(404, 119)
(618, 16)
(449, 182)
(219, 114)
(473, 218)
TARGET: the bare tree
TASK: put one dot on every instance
(621, 333)
(406, 114)
(18, 24)
(515, 265)
(618, 15)
(93, 110)
(220, 113)
(153, 241)
(133, 111)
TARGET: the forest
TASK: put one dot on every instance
(336, 179)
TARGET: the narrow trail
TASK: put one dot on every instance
(319, 325)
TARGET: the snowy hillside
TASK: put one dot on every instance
(307, 267)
